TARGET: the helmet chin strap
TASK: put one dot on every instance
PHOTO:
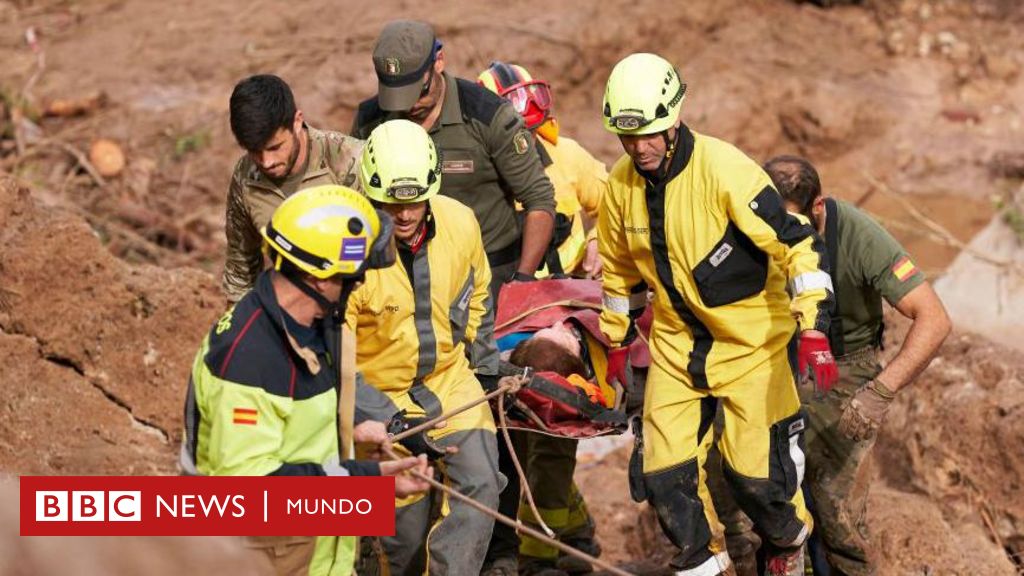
(333, 310)
(670, 150)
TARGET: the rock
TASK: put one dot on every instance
(1000, 66)
(107, 157)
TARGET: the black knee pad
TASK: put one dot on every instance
(673, 494)
(767, 500)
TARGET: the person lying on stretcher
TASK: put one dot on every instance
(552, 326)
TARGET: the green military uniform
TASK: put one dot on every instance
(252, 198)
(488, 162)
(869, 265)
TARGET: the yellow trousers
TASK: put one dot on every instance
(762, 449)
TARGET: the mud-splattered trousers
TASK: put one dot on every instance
(712, 240)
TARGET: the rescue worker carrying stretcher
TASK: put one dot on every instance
(424, 326)
(263, 397)
(579, 179)
(699, 222)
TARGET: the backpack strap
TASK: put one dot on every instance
(835, 331)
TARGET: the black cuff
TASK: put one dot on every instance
(489, 382)
(518, 276)
(362, 467)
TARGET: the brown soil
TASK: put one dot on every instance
(106, 289)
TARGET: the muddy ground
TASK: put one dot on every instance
(911, 108)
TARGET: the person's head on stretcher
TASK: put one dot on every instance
(552, 349)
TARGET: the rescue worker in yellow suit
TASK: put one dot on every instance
(580, 181)
(698, 222)
(263, 395)
(424, 325)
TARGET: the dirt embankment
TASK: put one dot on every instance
(95, 352)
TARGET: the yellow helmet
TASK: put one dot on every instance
(643, 96)
(329, 230)
(400, 164)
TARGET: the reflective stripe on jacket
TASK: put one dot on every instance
(714, 242)
(422, 334)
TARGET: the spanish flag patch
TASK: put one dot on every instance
(245, 416)
(904, 268)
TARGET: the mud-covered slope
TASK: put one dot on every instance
(94, 352)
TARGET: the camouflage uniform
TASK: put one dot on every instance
(332, 159)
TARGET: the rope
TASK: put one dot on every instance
(390, 453)
(430, 424)
(524, 485)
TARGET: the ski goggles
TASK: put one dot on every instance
(521, 94)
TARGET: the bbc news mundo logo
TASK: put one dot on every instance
(89, 506)
(206, 506)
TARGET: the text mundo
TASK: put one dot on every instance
(237, 506)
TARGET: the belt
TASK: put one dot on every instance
(507, 255)
(865, 353)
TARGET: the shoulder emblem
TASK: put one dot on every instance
(224, 323)
(904, 268)
(521, 141)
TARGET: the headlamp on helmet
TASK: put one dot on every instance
(400, 164)
(643, 96)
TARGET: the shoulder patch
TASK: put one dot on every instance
(904, 269)
(477, 102)
(522, 142)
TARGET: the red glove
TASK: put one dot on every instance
(816, 361)
(618, 366)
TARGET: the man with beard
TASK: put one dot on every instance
(283, 155)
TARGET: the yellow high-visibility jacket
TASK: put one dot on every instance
(410, 335)
(714, 242)
(580, 181)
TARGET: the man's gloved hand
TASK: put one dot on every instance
(618, 366)
(865, 412)
(419, 443)
(817, 361)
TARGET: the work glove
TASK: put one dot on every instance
(618, 366)
(419, 443)
(865, 412)
(817, 362)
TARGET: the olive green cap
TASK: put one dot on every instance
(403, 54)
